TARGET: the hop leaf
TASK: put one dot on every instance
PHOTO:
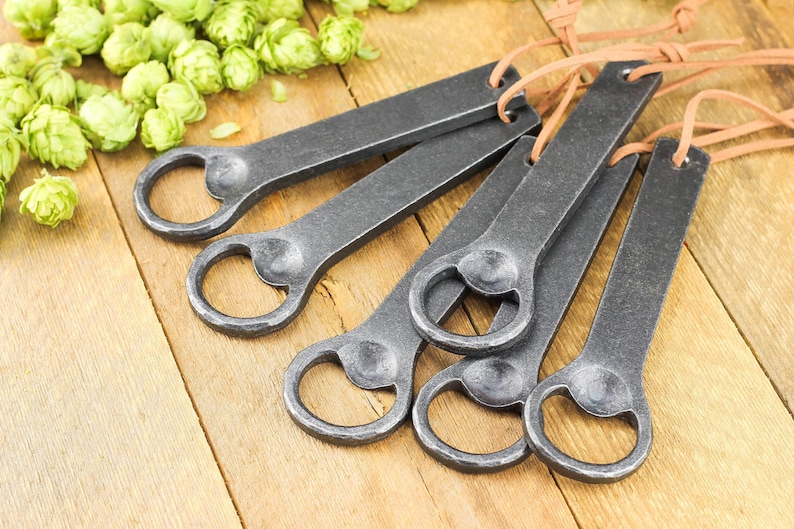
(166, 33)
(231, 22)
(17, 97)
(270, 10)
(286, 47)
(83, 28)
(50, 200)
(198, 62)
(126, 46)
(240, 67)
(185, 10)
(16, 59)
(54, 136)
(141, 83)
(33, 18)
(162, 129)
(182, 98)
(340, 38)
(123, 11)
(11, 145)
(109, 123)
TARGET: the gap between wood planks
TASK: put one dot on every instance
(168, 340)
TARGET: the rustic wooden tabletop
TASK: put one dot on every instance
(119, 408)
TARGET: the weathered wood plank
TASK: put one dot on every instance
(97, 427)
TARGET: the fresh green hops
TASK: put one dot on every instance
(231, 22)
(141, 83)
(185, 10)
(50, 200)
(11, 144)
(53, 84)
(33, 18)
(270, 10)
(109, 123)
(340, 38)
(348, 7)
(17, 97)
(126, 46)
(286, 47)
(16, 59)
(166, 33)
(54, 136)
(123, 11)
(198, 62)
(397, 6)
(82, 28)
(240, 68)
(182, 98)
(162, 129)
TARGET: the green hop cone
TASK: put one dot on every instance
(240, 68)
(33, 18)
(109, 123)
(182, 98)
(185, 10)
(16, 59)
(270, 10)
(162, 129)
(285, 47)
(127, 45)
(83, 28)
(59, 53)
(54, 136)
(50, 200)
(340, 38)
(198, 62)
(397, 6)
(231, 22)
(53, 84)
(141, 83)
(123, 11)
(166, 33)
(17, 97)
(11, 144)
(348, 7)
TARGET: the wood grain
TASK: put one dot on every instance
(722, 455)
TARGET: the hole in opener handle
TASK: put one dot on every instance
(605, 380)
(530, 222)
(247, 174)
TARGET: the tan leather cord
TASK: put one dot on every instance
(659, 51)
(721, 132)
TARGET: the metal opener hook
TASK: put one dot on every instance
(503, 262)
(605, 380)
(239, 177)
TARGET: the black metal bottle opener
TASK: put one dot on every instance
(605, 380)
(503, 262)
(239, 177)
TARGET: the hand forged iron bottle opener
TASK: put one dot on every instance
(239, 177)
